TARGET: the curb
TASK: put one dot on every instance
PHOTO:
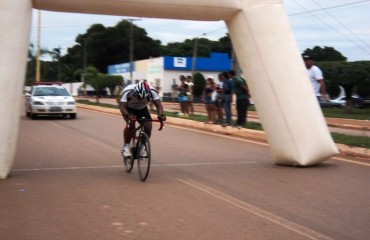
(244, 133)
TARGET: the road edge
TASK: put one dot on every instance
(257, 135)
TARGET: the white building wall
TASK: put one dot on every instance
(153, 71)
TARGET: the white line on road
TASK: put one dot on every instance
(310, 234)
(120, 166)
(351, 161)
(61, 168)
(199, 164)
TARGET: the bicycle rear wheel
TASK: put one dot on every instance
(143, 157)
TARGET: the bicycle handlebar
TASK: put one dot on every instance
(161, 123)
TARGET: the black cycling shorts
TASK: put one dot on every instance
(141, 113)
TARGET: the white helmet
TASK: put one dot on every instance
(142, 90)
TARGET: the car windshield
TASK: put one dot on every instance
(51, 91)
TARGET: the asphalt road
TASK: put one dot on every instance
(68, 183)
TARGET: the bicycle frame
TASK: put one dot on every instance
(138, 131)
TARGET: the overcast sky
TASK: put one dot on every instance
(342, 24)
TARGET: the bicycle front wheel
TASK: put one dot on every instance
(128, 162)
(143, 156)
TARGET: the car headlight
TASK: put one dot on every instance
(71, 103)
(38, 103)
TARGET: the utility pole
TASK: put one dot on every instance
(132, 47)
(38, 46)
(195, 55)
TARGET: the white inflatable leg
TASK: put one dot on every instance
(285, 101)
(15, 23)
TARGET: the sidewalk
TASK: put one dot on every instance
(361, 125)
(363, 153)
(199, 108)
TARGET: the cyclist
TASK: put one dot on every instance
(133, 105)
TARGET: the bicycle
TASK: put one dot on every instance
(140, 149)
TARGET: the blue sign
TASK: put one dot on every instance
(120, 68)
(216, 62)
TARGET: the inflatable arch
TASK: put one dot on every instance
(264, 44)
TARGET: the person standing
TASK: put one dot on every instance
(208, 92)
(242, 98)
(227, 91)
(183, 97)
(189, 82)
(316, 77)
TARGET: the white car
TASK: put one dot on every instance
(50, 99)
(357, 101)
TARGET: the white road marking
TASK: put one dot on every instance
(120, 166)
(199, 164)
(61, 168)
(310, 234)
(351, 161)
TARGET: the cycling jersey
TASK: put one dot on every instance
(135, 103)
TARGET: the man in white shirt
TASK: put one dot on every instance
(316, 77)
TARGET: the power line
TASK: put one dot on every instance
(365, 50)
(348, 29)
(327, 8)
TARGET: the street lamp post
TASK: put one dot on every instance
(38, 66)
(195, 55)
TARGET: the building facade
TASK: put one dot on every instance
(163, 72)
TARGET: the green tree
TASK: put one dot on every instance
(199, 83)
(112, 82)
(102, 46)
(204, 49)
(31, 66)
(324, 54)
(225, 45)
(95, 79)
(56, 56)
(348, 75)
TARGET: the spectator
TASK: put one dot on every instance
(218, 100)
(183, 97)
(227, 91)
(118, 90)
(189, 82)
(208, 91)
(151, 101)
(242, 99)
(316, 77)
